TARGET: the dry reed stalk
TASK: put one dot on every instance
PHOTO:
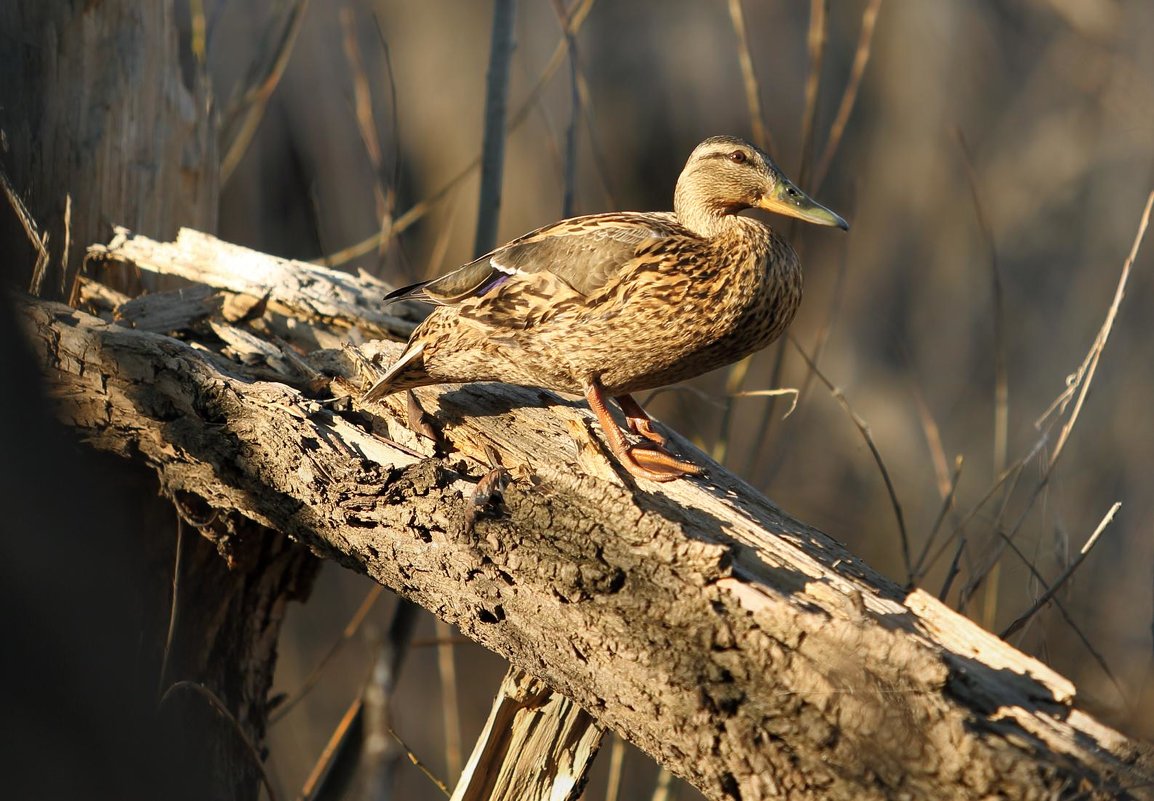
(761, 136)
(450, 703)
(1077, 387)
(418, 210)
(384, 191)
(351, 629)
(264, 77)
(947, 505)
(569, 169)
(1001, 379)
(815, 42)
(662, 785)
(849, 96)
(198, 37)
(616, 762)
(933, 435)
(31, 230)
(493, 138)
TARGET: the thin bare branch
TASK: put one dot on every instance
(864, 429)
(395, 120)
(1011, 474)
(222, 710)
(1045, 597)
(336, 762)
(421, 766)
(599, 162)
(174, 603)
(947, 505)
(363, 111)
(952, 573)
(825, 330)
(1069, 621)
(441, 244)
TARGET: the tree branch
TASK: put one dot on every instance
(747, 652)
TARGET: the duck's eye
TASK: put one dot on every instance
(738, 157)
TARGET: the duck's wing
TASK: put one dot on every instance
(583, 253)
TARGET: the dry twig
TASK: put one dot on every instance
(1045, 597)
(864, 429)
(221, 709)
(1077, 387)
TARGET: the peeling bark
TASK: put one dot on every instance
(747, 652)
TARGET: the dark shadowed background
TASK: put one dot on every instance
(1054, 102)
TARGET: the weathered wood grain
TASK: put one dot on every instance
(747, 652)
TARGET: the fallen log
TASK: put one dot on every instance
(744, 650)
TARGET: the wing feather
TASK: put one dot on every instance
(584, 253)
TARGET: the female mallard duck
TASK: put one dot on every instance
(611, 304)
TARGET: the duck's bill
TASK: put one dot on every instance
(787, 199)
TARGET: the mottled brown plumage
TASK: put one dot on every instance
(622, 302)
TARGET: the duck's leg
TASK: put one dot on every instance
(643, 462)
(639, 422)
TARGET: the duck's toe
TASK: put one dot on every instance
(657, 465)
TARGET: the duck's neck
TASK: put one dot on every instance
(696, 213)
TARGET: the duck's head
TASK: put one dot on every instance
(726, 175)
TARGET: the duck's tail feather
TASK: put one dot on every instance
(406, 373)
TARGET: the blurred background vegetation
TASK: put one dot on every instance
(993, 167)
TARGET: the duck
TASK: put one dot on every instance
(609, 305)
